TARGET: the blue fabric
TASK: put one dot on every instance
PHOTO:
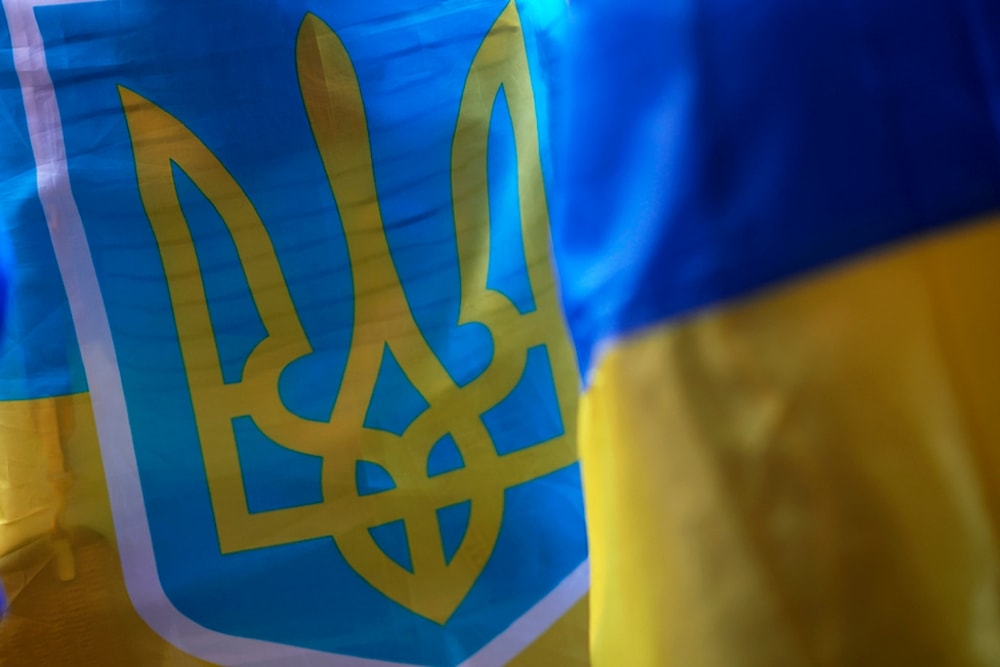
(228, 71)
(6, 278)
(709, 148)
(39, 355)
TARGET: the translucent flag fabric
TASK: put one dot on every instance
(286, 380)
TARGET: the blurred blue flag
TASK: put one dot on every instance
(729, 145)
(778, 248)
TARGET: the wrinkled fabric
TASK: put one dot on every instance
(286, 381)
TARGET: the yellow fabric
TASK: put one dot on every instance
(27, 500)
(808, 477)
(69, 604)
(562, 645)
(58, 561)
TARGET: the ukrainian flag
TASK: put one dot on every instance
(779, 254)
(286, 380)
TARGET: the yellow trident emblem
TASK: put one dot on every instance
(434, 586)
